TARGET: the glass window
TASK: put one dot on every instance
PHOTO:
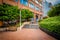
(31, 5)
(24, 2)
(37, 8)
(37, 1)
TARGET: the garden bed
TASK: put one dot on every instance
(10, 16)
(8, 29)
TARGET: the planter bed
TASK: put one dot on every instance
(2, 29)
(9, 18)
(11, 29)
(8, 29)
(55, 35)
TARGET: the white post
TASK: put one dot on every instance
(20, 19)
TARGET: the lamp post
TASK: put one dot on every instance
(20, 17)
(20, 11)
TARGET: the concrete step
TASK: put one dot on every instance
(31, 26)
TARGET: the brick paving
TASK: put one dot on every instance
(25, 34)
(30, 33)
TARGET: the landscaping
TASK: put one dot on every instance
(26, 15)
(9, 15)
(52, 24)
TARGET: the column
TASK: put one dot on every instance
(34, 17)
(39, 17)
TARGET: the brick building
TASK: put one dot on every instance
(33, 5)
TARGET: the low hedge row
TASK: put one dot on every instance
(52, 24)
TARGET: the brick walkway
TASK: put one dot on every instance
(30, 33)
(25, 34)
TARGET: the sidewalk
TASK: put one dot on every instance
(26, 34)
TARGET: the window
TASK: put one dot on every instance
(31, 5)
(40, 3)
(38, 9)
(37, 1)
(24, 2)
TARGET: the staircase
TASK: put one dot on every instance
(32, 25)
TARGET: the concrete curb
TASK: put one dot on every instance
(24, 24)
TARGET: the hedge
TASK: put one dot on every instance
(52, 24)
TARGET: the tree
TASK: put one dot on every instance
(26, 14)
(9, 15)
(9, 12)
(55, 11)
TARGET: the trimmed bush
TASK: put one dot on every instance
(52, 24)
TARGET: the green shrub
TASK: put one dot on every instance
(55, 11)
(9, 12)
(26, 14)
(52, 24)
(45, 17)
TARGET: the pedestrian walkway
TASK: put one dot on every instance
(29, 33)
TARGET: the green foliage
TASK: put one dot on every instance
(55, 11)
(45, 17)
(26, 14)
(8, 12)
(52, 24)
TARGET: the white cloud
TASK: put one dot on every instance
(52, 1)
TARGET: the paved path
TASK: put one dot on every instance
(25, 34)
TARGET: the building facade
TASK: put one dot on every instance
(33, 5)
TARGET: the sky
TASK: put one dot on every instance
(53, 1)
(46, 7)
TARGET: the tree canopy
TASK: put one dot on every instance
(54, 11)
(9, 12)
(26, 14)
